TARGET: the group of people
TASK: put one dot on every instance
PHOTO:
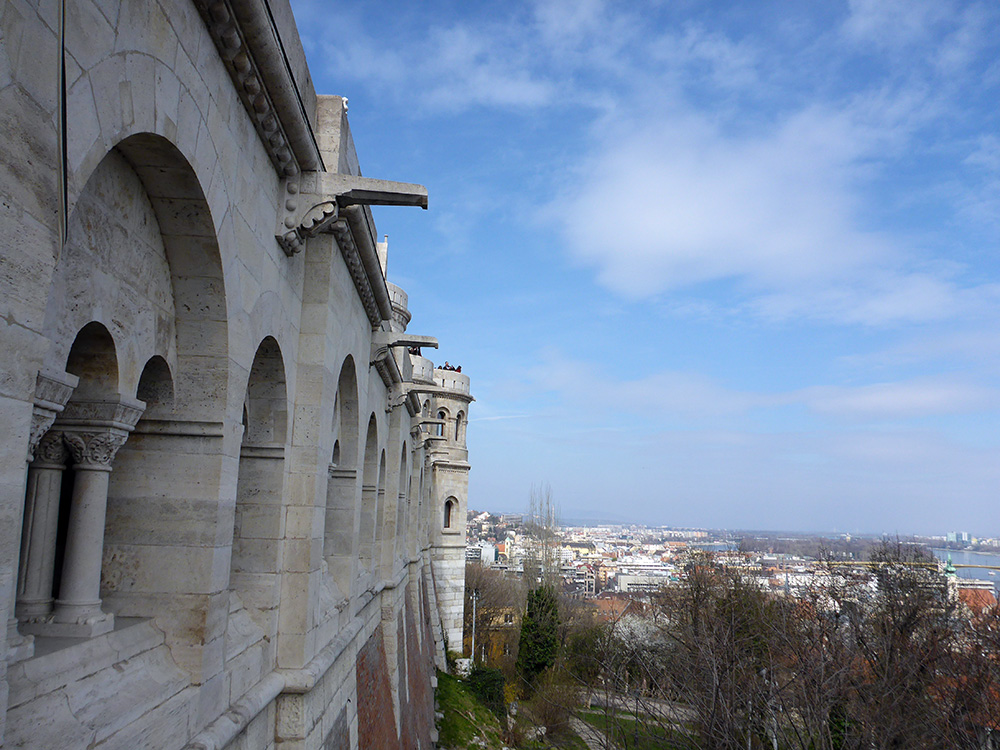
(447, 366)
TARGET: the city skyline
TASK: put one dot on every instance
(706, 264)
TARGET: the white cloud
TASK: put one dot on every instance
(687, 395)
(683, 202)
(915, 398)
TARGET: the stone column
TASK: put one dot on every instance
(93, 432)
(52, 391)
(41, 521)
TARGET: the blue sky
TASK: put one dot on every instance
(731, 265)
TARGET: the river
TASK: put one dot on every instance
(961, 557)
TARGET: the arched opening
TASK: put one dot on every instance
(132, 498)
(156, 388)
(380, 535)
(369, 497)
(255, 567)
(142, 258)
(449, 511)
(64, 530)
(460, 428)
(342, 480)
(402, 502)
(442, 415)
(93, 359)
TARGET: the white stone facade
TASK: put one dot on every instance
(221, 500)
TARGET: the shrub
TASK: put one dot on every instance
(487, 684)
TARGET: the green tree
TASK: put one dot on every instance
(539, 641)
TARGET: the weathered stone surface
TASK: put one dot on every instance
(249, 538)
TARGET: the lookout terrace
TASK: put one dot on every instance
(232, 490)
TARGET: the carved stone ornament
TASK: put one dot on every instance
(51, 450)
(52, 391)
(293, 232)
(95, 450)
(41, 421)
(118, 412)
(345, 241)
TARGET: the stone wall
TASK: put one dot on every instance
(220, 499)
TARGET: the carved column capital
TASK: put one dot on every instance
(95, 450)
(52, 391)
(95, 430)
(51, 452)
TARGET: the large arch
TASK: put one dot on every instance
(369, 497)
(341, 488)
(142, 257)
(259, 519)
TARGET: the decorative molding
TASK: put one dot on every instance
(51, 452)
(349, 250)
(272, 452)
(292, 233)
(180, 428)
(244, 68)
(52, 391)
(117, 412)
(95, 450)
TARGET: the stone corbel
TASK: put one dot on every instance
(382, 360)
(384, 341)
(52, 391)
(311, 202)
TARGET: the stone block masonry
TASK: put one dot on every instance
(232, 492)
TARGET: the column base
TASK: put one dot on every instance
(30, 610)
(72, 621)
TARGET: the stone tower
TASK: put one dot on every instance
(445, 398)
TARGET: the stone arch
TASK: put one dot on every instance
(64, 532)
(450, 508)
(460, 428)
(369, 497)
(93, 358)
(380, 515)
(156, 388)
(141, 230)
(142, 258)
(259, 519)
(403, 500)
(440, 429)
(341, 488)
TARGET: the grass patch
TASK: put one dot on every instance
(466, 721)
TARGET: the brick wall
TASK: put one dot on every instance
(339, 737)
(419, 714)
(376, 721)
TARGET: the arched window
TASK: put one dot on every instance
(449, 508)
(439, 428)
(460, 427)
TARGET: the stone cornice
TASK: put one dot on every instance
(352, 258)
(251, 49)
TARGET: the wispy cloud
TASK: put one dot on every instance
(671, 394)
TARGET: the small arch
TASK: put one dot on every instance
(460, 427)
(335, 458)
(380, 507)
(439, 428)
(266, 400)
(156, 388)
(345, 414)
(450, 506)
(369, 496)
(94, 359)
